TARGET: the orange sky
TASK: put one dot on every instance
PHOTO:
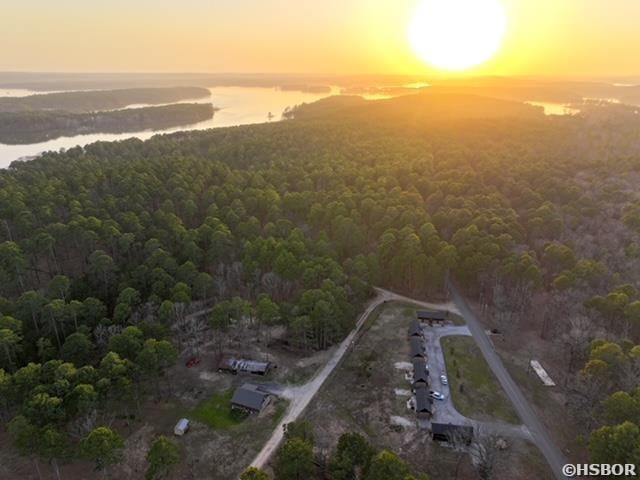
(544, 37)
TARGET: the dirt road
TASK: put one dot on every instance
(301, 396)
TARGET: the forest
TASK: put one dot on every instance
(39, 126)
(97, 100)
(104, 250)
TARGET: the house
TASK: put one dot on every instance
(181, 427)
(416, 348)
(448, 432)
(250, 398)
(415, 330)
(432, 316)
(420, 375)
(241, 365)
(424, 403)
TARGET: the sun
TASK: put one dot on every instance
(456, 35)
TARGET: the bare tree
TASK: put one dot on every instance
(575, 341)
(485, 452)
(459, 441)
(630, 374)
(585, 396)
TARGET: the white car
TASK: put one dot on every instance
(444, 380)
(436, 395)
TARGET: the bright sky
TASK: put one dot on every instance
(544, 37)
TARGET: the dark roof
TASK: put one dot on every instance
(418, 364)
(249, 396)
(243, 365)
(424, 403)
(443, 431)
(431, 315)
(414, 329)
(419, 372)
(416, 346)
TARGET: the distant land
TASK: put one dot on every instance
(32, 127)
(428, 108)
(92, 101)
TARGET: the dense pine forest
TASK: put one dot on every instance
(106, 250)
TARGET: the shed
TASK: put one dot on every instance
(432, 316)
(420, 376)
(446, 432)
(181, 427)
(415, 330)
(416, 347)
(250, 398)
(424, 403)
(242, 365)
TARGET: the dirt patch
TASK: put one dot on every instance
(401, 421)
(403, 366)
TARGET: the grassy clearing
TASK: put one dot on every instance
(475, 390)
(217, 412)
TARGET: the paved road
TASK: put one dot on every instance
(541, 438)
(301, 396)
(445, 411)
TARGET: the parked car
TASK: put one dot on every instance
(436, 395)
(426, 368)
(181, 427)
(444, 380)
(192, 362)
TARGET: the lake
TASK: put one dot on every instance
(238, 106)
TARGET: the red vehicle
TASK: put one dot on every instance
(192, 362)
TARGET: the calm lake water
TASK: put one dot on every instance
(238, 106)
(551, 108)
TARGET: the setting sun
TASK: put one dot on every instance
(457, 34)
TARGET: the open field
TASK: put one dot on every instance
(475, 390)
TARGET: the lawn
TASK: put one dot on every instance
(217, 412)
(475, 390)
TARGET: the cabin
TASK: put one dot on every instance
(432, 317)
(420, 375)
(241, 365)
(250, 398)
(415, 330)
(424, 403)
(448, 433)
(181, 427)
(416, 348)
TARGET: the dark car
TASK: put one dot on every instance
(192, 362)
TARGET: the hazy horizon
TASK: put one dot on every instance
(574, 38)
